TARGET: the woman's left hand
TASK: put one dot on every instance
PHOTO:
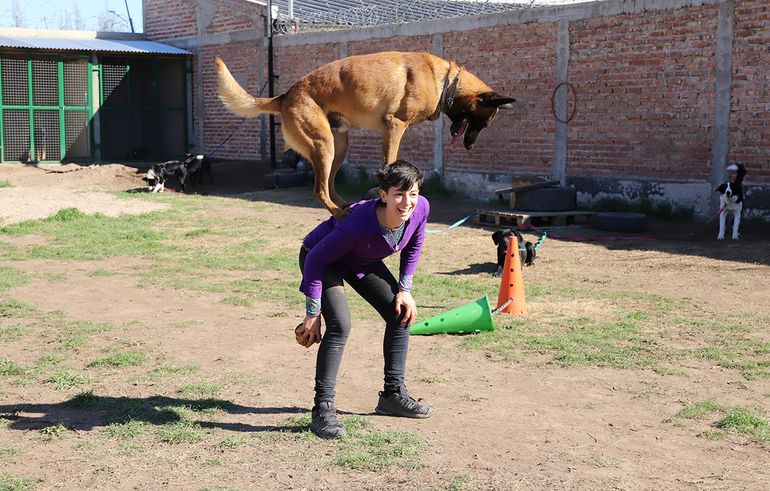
(406, 308)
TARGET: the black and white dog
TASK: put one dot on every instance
(160, 173)
(731, 201)
(501, 238)
(188, 171)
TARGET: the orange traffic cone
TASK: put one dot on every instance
(512, 283)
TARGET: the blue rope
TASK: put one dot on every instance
(454, 225)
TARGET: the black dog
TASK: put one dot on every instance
(501, 239)
(160, 173)
(197, 165)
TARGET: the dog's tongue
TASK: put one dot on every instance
(462, 129)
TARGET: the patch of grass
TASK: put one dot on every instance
(180, 432)
(9, 368)
(76, 235)
(84, 400)
(68, 379)
(748, 356)
(12, 333)
(54, 431)
(700, 410)
(15, 482)
(232, 443)
(380, 450)
(120, 359)
(169, 371)
(9, 453)
(238, 301)
(4, 183)
(430, 380)
(711, 435)
(125, 431)
(12, 277)
(16, 309)
(747, 423)
(102, 273)
(200, 389)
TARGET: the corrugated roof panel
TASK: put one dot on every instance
(102, 45)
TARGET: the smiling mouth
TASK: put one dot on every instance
(460, 131)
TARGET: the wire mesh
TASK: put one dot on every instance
(16, 134)
(47, 145)
(317, 15)
(76, 83)
(77, 139)
(15, 82)
(45, 82)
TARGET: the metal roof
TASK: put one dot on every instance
(368, 13)
(101, 45)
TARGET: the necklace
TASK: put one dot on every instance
(393, 235)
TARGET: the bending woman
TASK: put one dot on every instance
(351, 251)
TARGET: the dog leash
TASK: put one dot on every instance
(232, 133)
(454, 225)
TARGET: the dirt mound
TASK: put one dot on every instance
(39, 191)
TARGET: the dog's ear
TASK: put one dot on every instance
(497, 236)
(493, 99)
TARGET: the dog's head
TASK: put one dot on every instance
(474, 106)
(153, 177)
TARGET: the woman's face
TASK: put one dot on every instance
(400, 204)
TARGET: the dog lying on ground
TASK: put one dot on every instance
(197, 165)
(731, 200)
(382, 91)
(159, 173)
(501, 238)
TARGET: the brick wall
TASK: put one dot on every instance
(750, 94)
(172, 19)
(517, 61)
(168, 19)
(645, 86)
(645, 75)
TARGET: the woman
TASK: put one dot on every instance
(352, 250)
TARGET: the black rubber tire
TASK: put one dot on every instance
(621, 222)
(557, 198)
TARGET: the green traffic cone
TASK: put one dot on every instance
(471, 317)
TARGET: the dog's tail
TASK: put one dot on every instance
(240, 102)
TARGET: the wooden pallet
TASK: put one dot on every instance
(513, 218)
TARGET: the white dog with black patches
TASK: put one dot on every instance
(731, 200)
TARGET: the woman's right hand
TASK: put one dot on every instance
(309, 332)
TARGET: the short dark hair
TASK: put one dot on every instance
(401, 175)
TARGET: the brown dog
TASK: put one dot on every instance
(386, 91)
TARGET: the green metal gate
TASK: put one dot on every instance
(45, 108)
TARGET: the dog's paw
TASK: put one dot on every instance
(498, 273)
(720, 237)
(735, 237)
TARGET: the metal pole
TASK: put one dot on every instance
(270, 79)
(130, 22)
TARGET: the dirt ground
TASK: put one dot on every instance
(497, 425)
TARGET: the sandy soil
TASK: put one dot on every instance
(498, 425)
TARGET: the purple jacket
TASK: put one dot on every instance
(356, 242)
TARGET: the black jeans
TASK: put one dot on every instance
(379, 288)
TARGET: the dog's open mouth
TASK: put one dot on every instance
(460, 131)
